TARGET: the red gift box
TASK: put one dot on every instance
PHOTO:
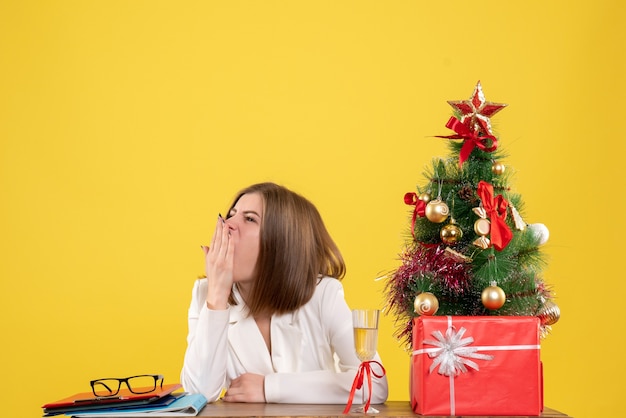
(476, 365)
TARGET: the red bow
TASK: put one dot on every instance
(420, 208)
(470, 137)
(496, 210)
(365, 369)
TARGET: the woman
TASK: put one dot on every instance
(270, 323)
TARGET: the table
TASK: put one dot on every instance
(395, 409)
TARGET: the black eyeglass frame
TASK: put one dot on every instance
(102, 381)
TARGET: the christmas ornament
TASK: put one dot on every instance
(497, 168)
(457, 256)
(451, 234)
(472, 138)
(467, 194)
(413, 200)
(482, 226)
(437, 211)
(482, 243)
(493, 297)
(540, 231)
(549, 314)
(500, 234)
(426, 304)
(476, 111)
(520, 225)
(474, 127)
(424, 197)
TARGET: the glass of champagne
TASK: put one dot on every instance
(365, 323)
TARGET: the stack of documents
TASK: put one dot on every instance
(161, 402)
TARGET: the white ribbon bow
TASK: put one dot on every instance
(453, 354)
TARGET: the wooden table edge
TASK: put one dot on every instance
(390, 409)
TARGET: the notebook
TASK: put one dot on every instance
(87, 400)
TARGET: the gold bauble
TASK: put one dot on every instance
(493, 297)
(424, 197)
(549, 314)
(450, 234)
(426, 304)
(497, 168)
(437, 211)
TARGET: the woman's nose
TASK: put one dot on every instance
(231, 222)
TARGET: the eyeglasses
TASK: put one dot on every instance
(110, 386)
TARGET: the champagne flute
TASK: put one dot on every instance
(365, 323)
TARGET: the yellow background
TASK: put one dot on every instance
(126, 126)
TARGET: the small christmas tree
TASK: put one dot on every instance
(469, 251)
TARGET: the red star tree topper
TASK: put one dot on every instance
(476, 111)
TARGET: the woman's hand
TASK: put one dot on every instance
(248, 387)
(219, 266)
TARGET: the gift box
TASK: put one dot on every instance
(476, 365)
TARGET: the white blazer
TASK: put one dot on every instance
(312, 360)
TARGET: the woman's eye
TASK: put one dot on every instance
(250, 219)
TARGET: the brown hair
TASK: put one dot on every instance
(295, 251)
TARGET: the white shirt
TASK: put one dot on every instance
(312, 360)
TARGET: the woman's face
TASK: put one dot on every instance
(244, 222)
